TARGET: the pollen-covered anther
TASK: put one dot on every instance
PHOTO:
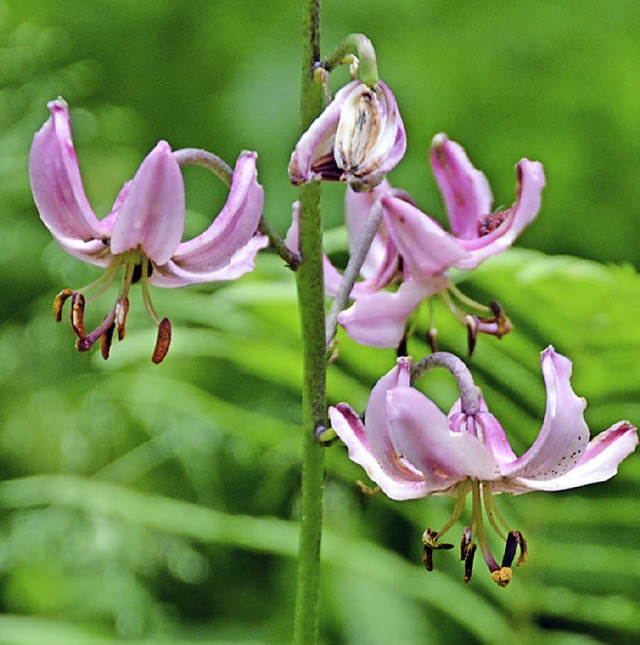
(162, 342)
(58, 303)
(77, 315)
(431, 544)
(501, 319)
(121, 311)
(502, 577)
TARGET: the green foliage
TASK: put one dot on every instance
(159, 504)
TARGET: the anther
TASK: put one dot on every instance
(427, 557)
(58, 303)
(503, 322)
(468, 562)
(77, 315)
(121, 311)
(105, 342)
(514, 540)
(431, 544)
(401, 350)
(432, 339)
(472, 333)
(162, 342)
(466, 543)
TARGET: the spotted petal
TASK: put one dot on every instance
(564, 435)
(599, 462)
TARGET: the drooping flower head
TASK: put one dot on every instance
(142, 232)
(358, 138)
(411, 449)
(413, 251)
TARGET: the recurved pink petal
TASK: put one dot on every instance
(425, 247)
(378, 320)
(564, 435)
(58, 191)
(231, 230)
(241, 262)
(529, 187)
(420, 432)
(151, 215)
(599, 462)
(397, 480)
(465, 189)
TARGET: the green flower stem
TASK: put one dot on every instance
(361, 46)
(311, 302)
(220, 169)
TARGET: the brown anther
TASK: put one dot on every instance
(367, 490)
(427, 557)
(121, 311)
(472, 332)
(162, 342)
(401, 350)
(432, 339)
(431, 544)
(502, 577)
(105, 342)
(510, 548)
(58, 303)
(503, 322)
(466, 543)
(524, 553)
(468, 562)
(77, 315)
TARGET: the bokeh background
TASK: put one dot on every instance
(146, 504)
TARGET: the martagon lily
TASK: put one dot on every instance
(358, 138)
(142, 233)
(413, 251)
(411, 449)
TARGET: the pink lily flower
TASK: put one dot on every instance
(358, 138)
(416, 252)
(411, 449)
(143, 231)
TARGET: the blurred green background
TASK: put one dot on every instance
(145, 504)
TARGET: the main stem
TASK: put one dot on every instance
(311, 302)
